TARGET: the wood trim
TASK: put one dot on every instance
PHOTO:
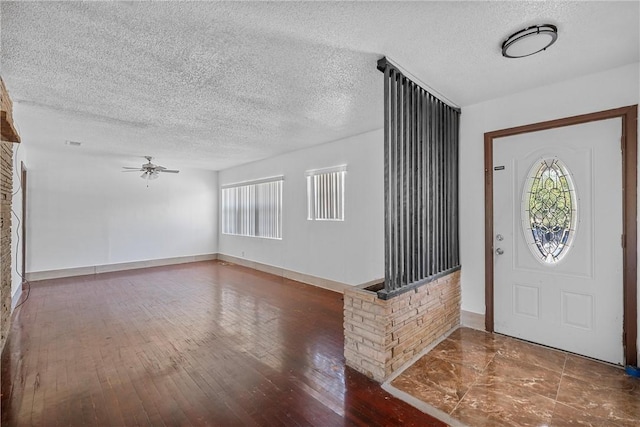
(567, 121)
(308, 279)
(8, 132)
(488, 231)
(35, 276)
(23, 186)
(629, 116)
(472, 320)
(630, 232)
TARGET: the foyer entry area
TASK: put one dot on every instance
(480, 379)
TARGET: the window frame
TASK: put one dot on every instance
(313, 198)
(253, 209)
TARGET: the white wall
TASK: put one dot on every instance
(84, 211)
(350, 252)
(611, 89)
(19, 155)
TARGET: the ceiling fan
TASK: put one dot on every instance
(149, 170)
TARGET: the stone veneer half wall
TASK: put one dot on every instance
(382, 335)
(8, 135)
(6, 188)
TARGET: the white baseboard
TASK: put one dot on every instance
(371, 283)
(472, 320)
(16, 297)
(287, 274)
(106, 268)
(331, 285)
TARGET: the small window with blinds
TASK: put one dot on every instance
(325, 193)
(253, 208)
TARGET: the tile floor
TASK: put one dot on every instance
(485, 379)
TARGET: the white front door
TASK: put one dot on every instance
(557, 210)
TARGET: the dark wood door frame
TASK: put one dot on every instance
(629, 143)
(23, 186)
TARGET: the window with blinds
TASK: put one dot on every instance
(325, 193)
(253, 208)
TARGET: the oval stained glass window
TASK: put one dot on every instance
(549, 210)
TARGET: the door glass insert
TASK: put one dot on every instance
(549, 210)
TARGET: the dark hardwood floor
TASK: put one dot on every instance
(188, 345)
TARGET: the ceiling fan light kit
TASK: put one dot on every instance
(529, 41)
(149, 170)
(150, 175)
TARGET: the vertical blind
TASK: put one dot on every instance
(420, 183)
(325, 194)
(253, 209)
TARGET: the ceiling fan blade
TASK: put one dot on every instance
(149, 170)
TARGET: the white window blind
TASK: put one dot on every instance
(253, 208)
(325, 193)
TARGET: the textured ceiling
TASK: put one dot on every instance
(213, 85)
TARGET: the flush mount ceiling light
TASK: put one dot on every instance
(529, 41)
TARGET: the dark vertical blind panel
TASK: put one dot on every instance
(387, 145)
(420, 185)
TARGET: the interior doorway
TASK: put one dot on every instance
(23, 219)
(541, 294)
